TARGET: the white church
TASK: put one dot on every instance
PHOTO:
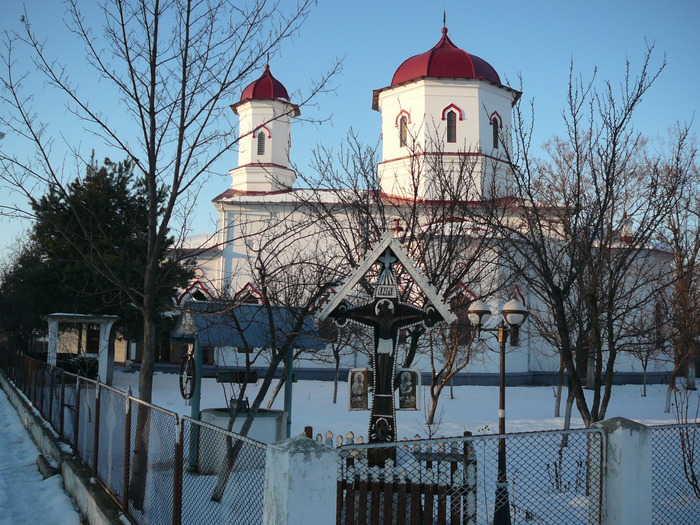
(444, 107)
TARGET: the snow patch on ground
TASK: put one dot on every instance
(474, 408)
(25, 497)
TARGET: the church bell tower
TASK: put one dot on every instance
(265, 116)
(445, 122)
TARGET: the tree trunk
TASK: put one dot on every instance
(590, 370)
(276, 391)
(432, 408)
(335, 381)
(690, 375)
(567, 417)
(137, 484)
(560, 388)
(669, 393)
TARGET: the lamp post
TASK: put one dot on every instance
(514, 314)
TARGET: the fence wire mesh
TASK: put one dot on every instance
(111, 444)
(223, 476)
(154, 434)
(675, 467)
(552, 477)
(70, 409)
(85, 434)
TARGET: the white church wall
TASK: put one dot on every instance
(275, 119)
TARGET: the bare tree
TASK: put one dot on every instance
(582, 227)
(648, 339)
(291, 274)
(174, 67)
(680, 235)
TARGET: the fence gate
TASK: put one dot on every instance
(421, 484)
(554, 478)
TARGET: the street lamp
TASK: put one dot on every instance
(513, 315)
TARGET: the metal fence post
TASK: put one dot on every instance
(62, 405)
(470, 481)
(127, 450)
(96, 434)
(35, 383)
(76, 422)
(42, 388)
(51, 385)
(177, 474)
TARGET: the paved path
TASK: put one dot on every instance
(25, 497)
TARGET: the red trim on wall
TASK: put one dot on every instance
(519, 294)
(398, 199)
(456, 108)
(196, 284)
(248, 290)
(461, 287)
(402, 113)
(500, 119)
(262, 126)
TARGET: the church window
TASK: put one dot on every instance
(261, 142)
(496, 129)
(403, 132)
(451, 126)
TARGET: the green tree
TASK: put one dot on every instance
(28, 291)
(92, 238)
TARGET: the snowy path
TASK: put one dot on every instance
(26, 498)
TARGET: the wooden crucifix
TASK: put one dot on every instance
(386, 315)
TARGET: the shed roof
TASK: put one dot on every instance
(245, 326)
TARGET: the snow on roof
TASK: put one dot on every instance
(290, 196)
(200, 241)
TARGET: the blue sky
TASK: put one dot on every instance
(533, 39)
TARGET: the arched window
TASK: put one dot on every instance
(403, 132)
(496, 129)
(261, 142)
(451, 126)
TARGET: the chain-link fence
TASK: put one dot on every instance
(675, 467)
(223, 477)
(155, 435)
(158, 468)
(543, 477)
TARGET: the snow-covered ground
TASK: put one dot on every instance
(474, 408)
(26, 498)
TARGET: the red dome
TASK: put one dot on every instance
(445, 60)
(266, 87)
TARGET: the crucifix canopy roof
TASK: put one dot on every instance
(245, 326)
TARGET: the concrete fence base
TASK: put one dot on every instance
(301, 478)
